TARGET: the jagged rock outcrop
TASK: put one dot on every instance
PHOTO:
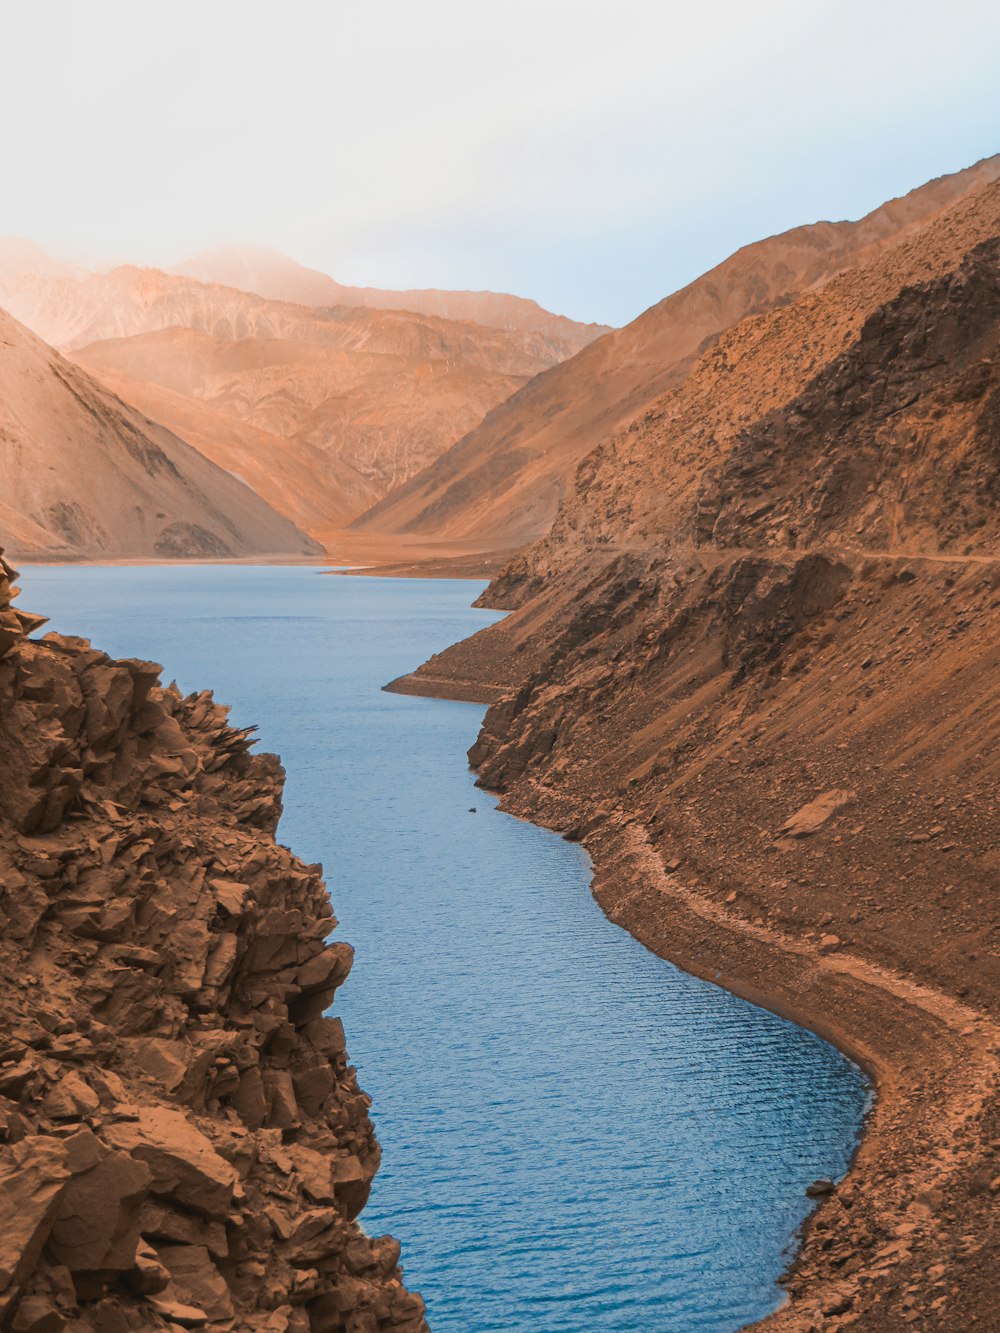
(182, 1140)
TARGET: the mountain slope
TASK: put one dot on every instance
(755, 666)
(272, 274)
(321, 411)
(503, 481)
(339, 408)
(83, 474)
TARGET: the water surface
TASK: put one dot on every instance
(577, 1137)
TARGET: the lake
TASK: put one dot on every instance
(577, 1136)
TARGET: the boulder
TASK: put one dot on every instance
(250, 1100)
(96, 1228)
(162, 1224)
(819, 1189)
(813, 816)
(176, 1312)
(327, 970)
(70, 1099)
(183, 1163)
(147, 1277)
(282, 1109)
(34, 1175)
(195, 1280)
(230, 895)
(314, 1171)
(162, 1059)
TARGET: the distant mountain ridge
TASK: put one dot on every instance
(272, 274)
(320, 409)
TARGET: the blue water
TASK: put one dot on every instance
(577, 1136)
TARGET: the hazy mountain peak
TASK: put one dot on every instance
(264, 271)
(23, 258)
(269, 273)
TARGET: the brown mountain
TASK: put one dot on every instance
(319, 410)
(501, 484)
(274, 275)
(83, 474)
(755, 666)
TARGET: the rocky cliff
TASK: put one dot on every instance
(182, 1140)
(755, 666)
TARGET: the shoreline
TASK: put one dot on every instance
(346, 553)
(113, 562)
(930, 1059)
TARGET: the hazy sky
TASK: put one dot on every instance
(595, 156)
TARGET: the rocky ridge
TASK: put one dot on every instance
(183, 1143)
(753, 666)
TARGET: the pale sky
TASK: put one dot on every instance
(595, 156)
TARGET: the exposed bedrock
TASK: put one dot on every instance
(182, 1139)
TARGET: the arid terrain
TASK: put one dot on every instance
(501, 484)
(320, 410)
(755, 667)
(83, 474)
(183, 1140)
(750, 546)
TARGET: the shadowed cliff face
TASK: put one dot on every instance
(754, 665)
(182, 1139)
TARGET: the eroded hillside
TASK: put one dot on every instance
(503, 482)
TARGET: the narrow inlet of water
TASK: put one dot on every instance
(577, 1136)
